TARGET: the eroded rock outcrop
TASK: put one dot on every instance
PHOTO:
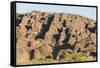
(53, 34)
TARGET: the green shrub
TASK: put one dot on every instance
(49, 61)
(77, 57)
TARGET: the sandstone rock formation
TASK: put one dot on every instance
(46, 34)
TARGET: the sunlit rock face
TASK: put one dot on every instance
(43, 36)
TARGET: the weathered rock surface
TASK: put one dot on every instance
(42, 33)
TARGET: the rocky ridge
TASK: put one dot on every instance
(43, 35)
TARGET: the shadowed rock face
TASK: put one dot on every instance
(53, 34)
